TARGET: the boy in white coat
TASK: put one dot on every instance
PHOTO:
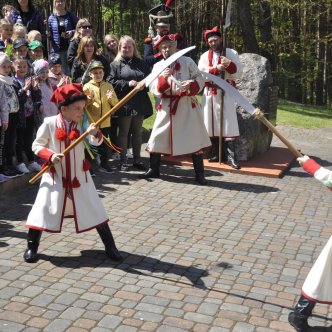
(317, 286)
(67, 190)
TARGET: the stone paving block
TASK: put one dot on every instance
(58, 325)
(72, 313)
(7, 326)
(110, 322)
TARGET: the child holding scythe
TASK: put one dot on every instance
(317, 286)
(67, 190)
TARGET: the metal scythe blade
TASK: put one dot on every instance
(155, 73)
(243, 102)
(233, 93)
(228, 14)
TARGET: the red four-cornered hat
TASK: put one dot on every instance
(68, 94)
(213, 32)
(171, 37)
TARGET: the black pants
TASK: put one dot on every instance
(103, 148)
(24, 139)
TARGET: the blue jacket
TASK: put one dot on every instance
(70, 24)
(36, 22)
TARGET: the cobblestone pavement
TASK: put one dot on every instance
(230, 256)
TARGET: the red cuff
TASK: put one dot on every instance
(231, 69)
(194, 89)
(162, 85)
(311, 166)
(213, 71)
(158, 55)
(45, 154)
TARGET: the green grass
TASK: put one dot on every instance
(290, 114)
(303, 116)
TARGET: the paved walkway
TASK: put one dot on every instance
(231, 256)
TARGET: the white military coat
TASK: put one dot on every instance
(179, 128)
(57, 197)
(211, 100)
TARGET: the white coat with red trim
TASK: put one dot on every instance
(211, 101)
(179, 128)
(57, 197)
(318, 284)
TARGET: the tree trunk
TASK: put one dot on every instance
(247, 27)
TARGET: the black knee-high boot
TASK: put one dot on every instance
(215, 147)
(299, 317)
(231, 158)
(154, 169)
(30, 254)
(199, 168)
(108, 240)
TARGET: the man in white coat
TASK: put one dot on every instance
(67, 189)
(215, 62)
(179, 128)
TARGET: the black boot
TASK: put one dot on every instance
(299, 317)
(231, 159)
(154, 169)
(108, 240)
(199, 168)
(215, 148)
(30, 254)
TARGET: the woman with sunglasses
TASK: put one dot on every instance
(83, 29)
(62, 24)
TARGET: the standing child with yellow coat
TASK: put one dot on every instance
(101, 98)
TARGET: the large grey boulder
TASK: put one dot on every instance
(256, 84)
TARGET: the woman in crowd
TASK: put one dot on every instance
(29, 16)
(83, 29)
(127, 70)
(111, 43)
(62, 24)
(87, 52)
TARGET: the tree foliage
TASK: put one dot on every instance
(294, 35)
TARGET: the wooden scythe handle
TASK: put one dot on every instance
(124, 100)
(260, 116)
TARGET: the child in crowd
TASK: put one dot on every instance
(6, 33)
(55, 75)
(26, 125)
(36, 50)
(19, 31)
(42, 92)
(101, 97)
(9, 107)
(34, 35)
(317, 285)
(20, 48)
(67, 189)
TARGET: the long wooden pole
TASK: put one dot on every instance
(221, 112)
(123, 101)
(260, 116)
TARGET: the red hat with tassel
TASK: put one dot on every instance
(213, 32)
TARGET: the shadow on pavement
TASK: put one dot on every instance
(7, 230)
(134, 264)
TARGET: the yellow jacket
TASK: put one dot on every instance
(99, 104)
